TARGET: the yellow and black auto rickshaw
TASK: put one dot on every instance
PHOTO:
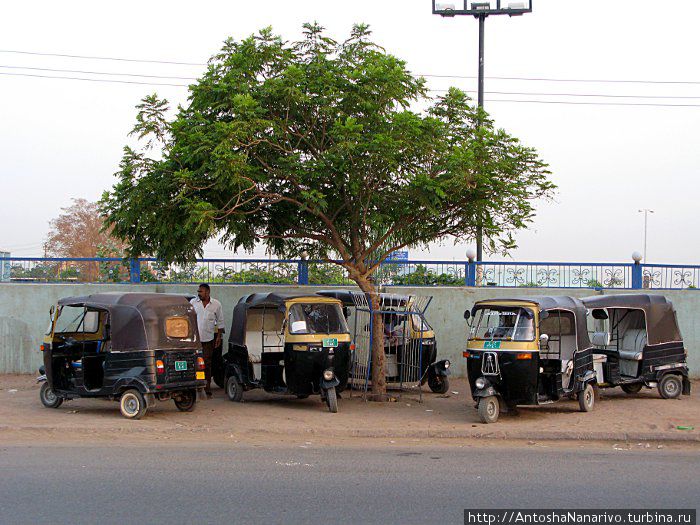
(288, 344)
(133, 347)
(528, 351)
(410, 347)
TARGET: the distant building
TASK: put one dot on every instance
(4, 267)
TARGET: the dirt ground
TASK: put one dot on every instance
(630, 421)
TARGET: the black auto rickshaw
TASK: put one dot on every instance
(405, 332)
(289, 344)
(131, 347)
(636, 336)
(528, 351)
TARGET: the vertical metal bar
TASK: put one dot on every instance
(480, 101)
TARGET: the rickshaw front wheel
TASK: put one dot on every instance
(132, 404)
(234, 389)
(186, 401)
(48, 397)
(332, 400)
(670, 386)
(489, 408)
(586, 398)
(438, 384)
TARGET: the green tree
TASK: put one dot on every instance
(317, 146)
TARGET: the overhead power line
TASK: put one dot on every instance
(103, 58)
(536, 79)
(96, 72)
(106, 80)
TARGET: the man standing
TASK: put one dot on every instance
(210, 321)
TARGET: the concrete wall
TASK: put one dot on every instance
(24, 314)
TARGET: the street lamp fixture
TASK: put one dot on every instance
(494, 7)
(480, 10)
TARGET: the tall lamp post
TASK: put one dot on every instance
(480, 10)
(646, 212)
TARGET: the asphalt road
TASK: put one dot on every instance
(321, 484)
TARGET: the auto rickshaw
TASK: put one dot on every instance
(637, 338)
(130, 347)
(404, 332)
(288, 344)
(528, 351)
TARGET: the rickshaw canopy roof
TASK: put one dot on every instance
(545, 303)
(388, 299)
(273, 300)
(137, 320)
(661, 321)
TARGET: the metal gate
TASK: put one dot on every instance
(403, 343)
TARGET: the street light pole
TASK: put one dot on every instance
(646, 212)
(480, 102)
(480, 10)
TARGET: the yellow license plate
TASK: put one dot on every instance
(200, 375)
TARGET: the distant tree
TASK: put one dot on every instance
(313, 146)
(79, 231)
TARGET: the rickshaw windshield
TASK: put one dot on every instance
(420, 324)
(511, 323)
(77, 319)
(316, 318)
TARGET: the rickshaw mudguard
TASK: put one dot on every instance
(484, 392)
(686, 386)
(232, 369)
(325, 385)
(440, 369)
(125, 383)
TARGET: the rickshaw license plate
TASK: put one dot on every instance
(330, 342)
(492, 345)
(180, 365)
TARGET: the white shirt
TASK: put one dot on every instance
(209, 318)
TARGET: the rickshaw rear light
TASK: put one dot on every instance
(525, 355)
(352, 347)
(466, 354)
(42, 348)
(160, 367)
(200, 363)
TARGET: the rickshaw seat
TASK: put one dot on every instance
(633, 344)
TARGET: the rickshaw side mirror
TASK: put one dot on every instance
(599, 313)
(544, 340)
(467, 315)
(544, 315)
(51, 311)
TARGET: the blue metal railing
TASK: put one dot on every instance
(390, 273)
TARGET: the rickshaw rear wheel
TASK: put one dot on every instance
(438, 384)
(586, 398)
(132, 404)
(670, 386)
(489, 408)
(634, 388)
(48, 397)
(234, 389)
(186, 401)
(332, 400)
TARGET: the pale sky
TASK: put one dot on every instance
(63, 139)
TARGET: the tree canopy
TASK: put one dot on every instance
(331, 148)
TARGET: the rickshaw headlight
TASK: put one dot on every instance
(447, 364)
(480, 383)
(328, 375)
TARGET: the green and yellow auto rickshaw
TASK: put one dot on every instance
(288, 344)
(529, 351)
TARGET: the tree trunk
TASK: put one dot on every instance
(378, 374)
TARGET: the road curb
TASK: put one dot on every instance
(476, 434)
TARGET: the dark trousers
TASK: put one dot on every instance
(208, 349)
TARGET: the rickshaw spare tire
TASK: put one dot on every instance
(670, 386)
(438, 384)
(234, 389)
(186, 401)
(132, 404)
(332, 400)
(48, 397)
(633, 388)
(489, 408)
(586, 398)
